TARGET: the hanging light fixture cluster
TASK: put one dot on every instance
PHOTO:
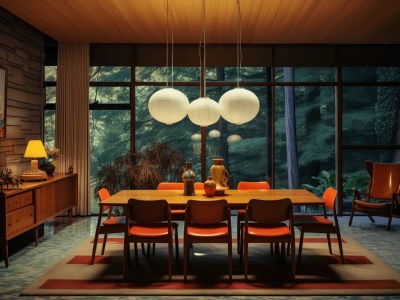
(237, 106)
(169, 105)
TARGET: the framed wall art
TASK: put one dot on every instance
(3, 100)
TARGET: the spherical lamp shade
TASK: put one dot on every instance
(234, 138)
(204, 111)
(196, 137)
(214, 133)
(168, 106)
(239, 106)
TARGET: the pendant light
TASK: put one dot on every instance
(239, 106)
(203, 111)
(169, 105)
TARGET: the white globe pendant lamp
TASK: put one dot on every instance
(204, 111)
(168, 106)
(239, 106)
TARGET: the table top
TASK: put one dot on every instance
(235, 198)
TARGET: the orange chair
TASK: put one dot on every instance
(247, 185)
(264, 223)
(383, 194)
(320, 224)
(207, 222)
(113, 224)
(149, 222)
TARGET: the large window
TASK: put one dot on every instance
(313, 113)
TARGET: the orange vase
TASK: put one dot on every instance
(210, 187)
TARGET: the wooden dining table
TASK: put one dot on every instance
(237, 199)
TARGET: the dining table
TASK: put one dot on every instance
(237, 199)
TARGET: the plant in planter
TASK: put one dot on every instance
(144, 170)
(49, 163)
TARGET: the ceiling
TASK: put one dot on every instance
(262, 21)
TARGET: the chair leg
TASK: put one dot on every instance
(245, 254)
(185, 259)
(300, 246)
(154, 248)
(170, 254)
(136, 254)
(230, 260)
(292, 247)
(126, 257)
(328, 237)
(371, 218)
(389, 223)
(176, 246)
(96, 237)
(103, 248)
(351, 215)
(283, 251)
(238, 232)
(340, 246)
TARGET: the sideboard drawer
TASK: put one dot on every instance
(18, 201)
(20, 219)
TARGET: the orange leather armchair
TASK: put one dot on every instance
(247, 185)
(383, 194)
(320, 224)
(113, 224)
(149, 222)
(264, 223)
(207, 222)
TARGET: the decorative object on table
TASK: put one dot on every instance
(49, 163)
(35, 150)
(220, 176)
(188, 180)
(210, 187)
(7, 178)
(70, 170)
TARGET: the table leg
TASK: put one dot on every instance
(4, 251)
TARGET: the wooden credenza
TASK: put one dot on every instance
(33, 204)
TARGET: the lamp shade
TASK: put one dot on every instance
(234, 138)
(35, 149)
(214, 133)
(204, 111)
(239, 106)
(168, 106)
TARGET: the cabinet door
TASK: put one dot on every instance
(45, 202)
(65, 194)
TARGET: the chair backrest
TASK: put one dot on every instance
(103, 194)
(384, 179)
(148, 211)
(170, 186)
(329, 197)
(207, 212)
(269, 211)
(198, 186)
(253, 185)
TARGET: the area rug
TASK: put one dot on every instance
(318, 274)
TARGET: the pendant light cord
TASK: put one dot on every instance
(167, 69)
(203, 42)
(238, 42)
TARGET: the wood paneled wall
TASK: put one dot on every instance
(21, 54)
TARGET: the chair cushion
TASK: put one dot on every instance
(241, 212)
(177, 211)
(372, 205)
(208, 231)
(271, 230)
(158, 230)
(300, 220)
(115, 220)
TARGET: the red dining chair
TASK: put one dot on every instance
(247, 185)
(149, 221)
(383, 194)
(207, 222)
(319, 224)
(264, 223)
(112, 224)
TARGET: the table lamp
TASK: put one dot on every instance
(35, 150)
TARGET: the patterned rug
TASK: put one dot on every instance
(318, 274)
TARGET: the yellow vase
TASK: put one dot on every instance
(220, 176)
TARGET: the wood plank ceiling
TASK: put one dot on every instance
(263, 21)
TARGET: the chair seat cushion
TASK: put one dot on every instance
(241, 212)
(177, 212)
(208, 231)
(158, 230)
(115, 221)
(270, 230)
(300, 220)
(372, 205)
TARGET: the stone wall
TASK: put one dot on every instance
(21, 54)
